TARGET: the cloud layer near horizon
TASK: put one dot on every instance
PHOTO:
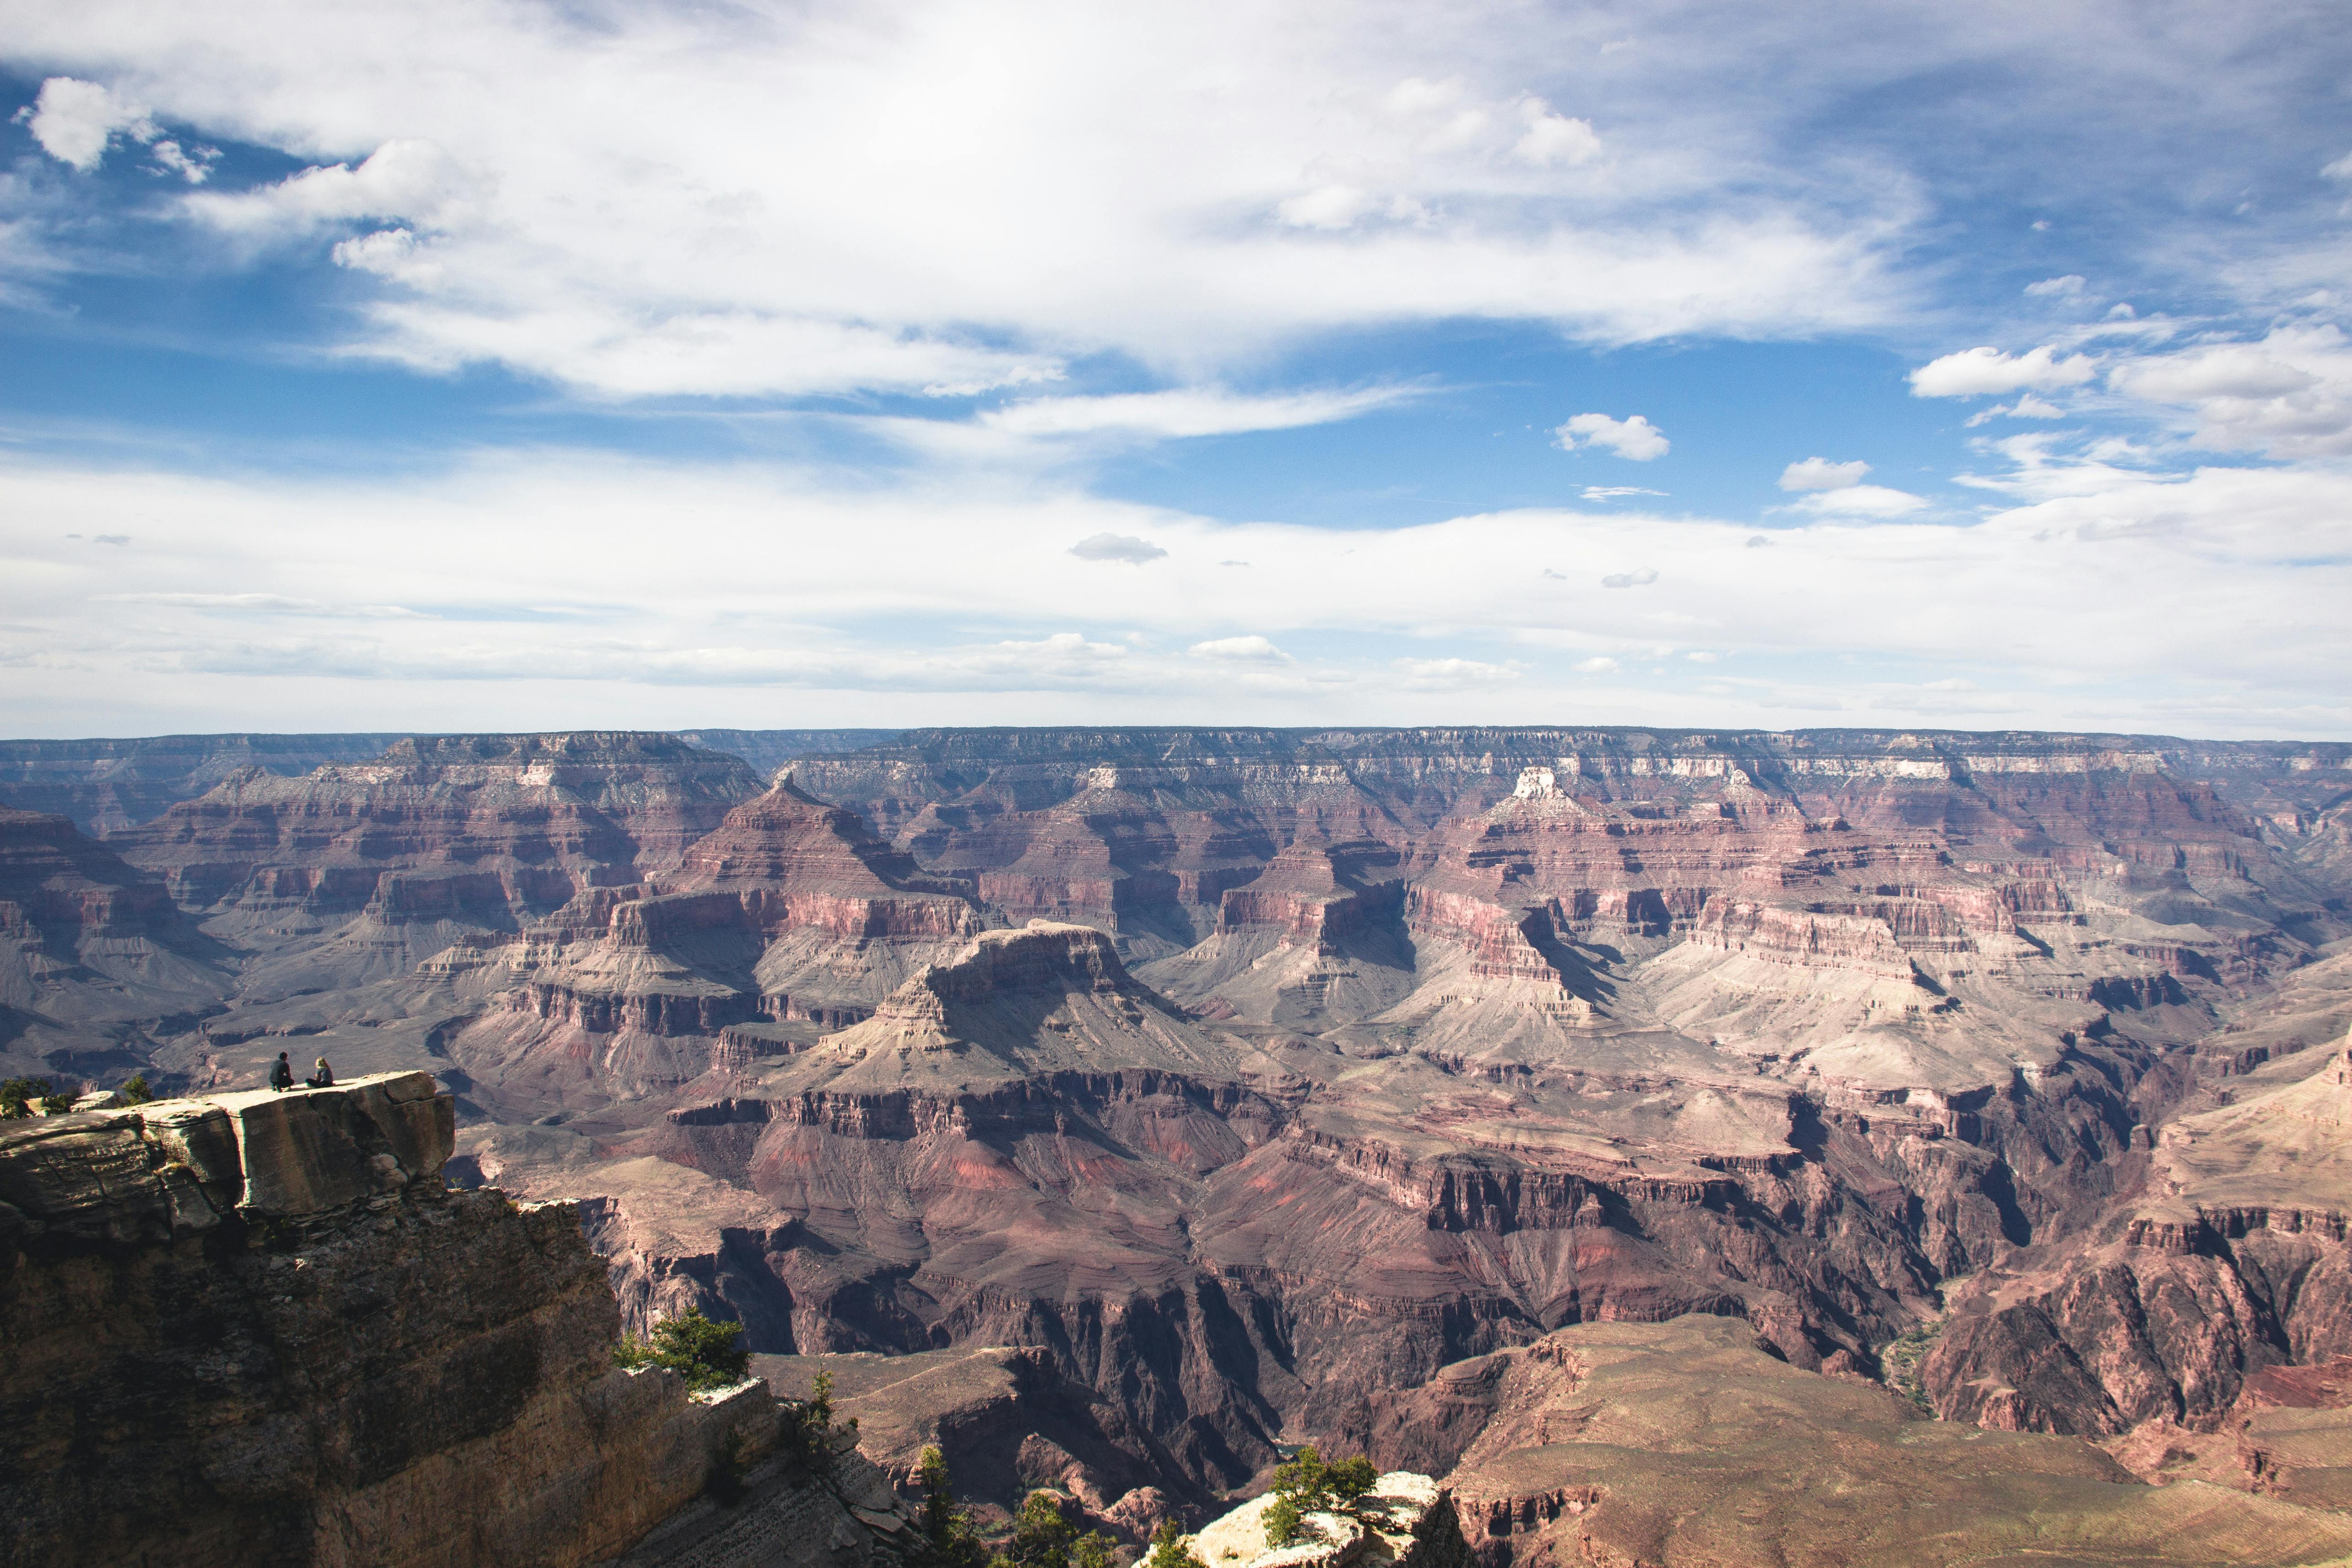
(2183, 604)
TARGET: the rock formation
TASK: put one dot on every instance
(1624, 1444)
(257, 1329)
(1406, 1520)
(1233, 1075)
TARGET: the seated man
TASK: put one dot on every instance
(324, 1077)
(281, 1075)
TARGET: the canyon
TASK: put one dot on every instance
(1157, 1099)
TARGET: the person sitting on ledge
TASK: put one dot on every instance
(324, 1077)
(281, 1076)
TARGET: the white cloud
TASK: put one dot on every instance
(1187, 412)
(192, 164)
(1821, 473)
(1599, 664)
(405, 178)
(1188, 187)
(1859, 501)
(2288, 396)
(1325, 206)
(2218, 608)
(74, 120)
(1116, 547)
(2027, 406)
(1240, 650)
(1634, 437)
(2070, 287)
(1616, 492)
(2339, 170)
(1452, 674)
(1972, 372)
(1635, 579)
(1553, 139)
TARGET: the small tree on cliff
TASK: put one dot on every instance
(703, 1351)
(1042, 1538)
(1167, 1548)
(1305, 1485)
(949, 1539)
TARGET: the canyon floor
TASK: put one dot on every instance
(1680, 1138)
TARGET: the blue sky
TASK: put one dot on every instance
(519, 365)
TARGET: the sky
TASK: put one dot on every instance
(440, 365)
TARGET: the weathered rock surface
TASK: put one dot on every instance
(1624, 1443)
(93, 954)
(259, 1330)
(105, 785)
(1406, 1520)
(1006, 1420)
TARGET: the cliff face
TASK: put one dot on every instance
(259, 1330)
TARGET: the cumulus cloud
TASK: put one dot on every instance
(405, 178)
(2339, 170)
(1821, 473)
(1124, 547)
(1240, 650)
(1635, 579)
(1599, 664)
(1634, 437)
(2287, 395)
(75, 121)
(1973, 372)
(1552, 138)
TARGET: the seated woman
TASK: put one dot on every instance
(324, 1077)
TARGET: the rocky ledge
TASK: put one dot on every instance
(259, 1329)
(1406, 1520)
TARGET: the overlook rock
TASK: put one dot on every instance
(259, 1330)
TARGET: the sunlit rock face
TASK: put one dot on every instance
(1243, 1072)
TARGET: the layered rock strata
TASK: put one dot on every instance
(1625, 1444)
(257, 1329)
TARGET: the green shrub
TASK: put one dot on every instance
(1305, 1485)
(17, 1093)
(1042, 1538)
(703, 1351)
(1168, 1551)
(949, 1539)
(806, 1428)
(136, 1092)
